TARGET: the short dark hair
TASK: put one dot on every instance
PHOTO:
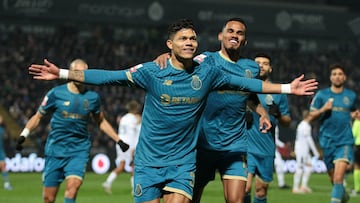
(178, 25)
(237, 19)
(261, 54)
(337, 66)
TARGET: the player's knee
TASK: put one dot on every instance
(49, 198)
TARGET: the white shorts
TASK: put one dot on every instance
(124, 156)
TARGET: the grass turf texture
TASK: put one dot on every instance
(28, 188)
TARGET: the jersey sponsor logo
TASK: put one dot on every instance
(66, 103)
(196, 83)
(168, 82)
(44, 101)
(134, 68)
(167, 100)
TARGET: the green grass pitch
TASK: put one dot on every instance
(28, 189)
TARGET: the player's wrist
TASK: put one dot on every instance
(25, 132)
(285, 88)
(63, 74)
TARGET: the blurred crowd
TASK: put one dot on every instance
(107, 48)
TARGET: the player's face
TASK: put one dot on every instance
(184, 44)
(337, 77)
(79, 66)
(233, 36)
(265, 67)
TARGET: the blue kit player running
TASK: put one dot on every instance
(68, 144)
(261, 150)
(175, 98)
(335, 108)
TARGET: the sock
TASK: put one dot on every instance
(357, 180)
(247, 198)
(110, 179)
(5, 176)
(280, 173)
(337, 193)
(132, 182)
(297, 178)
(306, 176)
(260, 199)
(68, 200)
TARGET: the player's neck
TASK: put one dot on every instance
(74, 88)
(336, 89)
(181, 65)
(230, 55)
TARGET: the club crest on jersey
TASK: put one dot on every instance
(248, 73)
(134, 68)
(138, 190)
(66, 103)
(86, 104)
(346, 100)
(196, 83)
(269, 99)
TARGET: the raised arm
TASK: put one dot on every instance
(296, 87)
(49, 71)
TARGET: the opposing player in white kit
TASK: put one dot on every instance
(129, 129)
(303, 144)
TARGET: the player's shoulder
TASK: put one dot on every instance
(204, 56)
(248, 64)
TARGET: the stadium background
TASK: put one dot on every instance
(301, 36)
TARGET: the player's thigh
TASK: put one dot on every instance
(344, 153)
(261, 166)
(233, 166)
(53, 173)
(151, 182)
(75, 167)
(175, 198)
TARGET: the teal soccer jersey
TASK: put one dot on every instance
(335, 125)
(263, 144)
(222, 125)
(173, 104)
(71, 112)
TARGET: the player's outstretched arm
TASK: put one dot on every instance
(49, 71)
(296, 87)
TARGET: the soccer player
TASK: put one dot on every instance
(4, 172)
(335, 108)
(175, 98)
(129, 129)
(261, 150)
(68, 144)
(304, 147)
(356, 172)
(222, 143)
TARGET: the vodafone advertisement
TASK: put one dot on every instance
(100, 163)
